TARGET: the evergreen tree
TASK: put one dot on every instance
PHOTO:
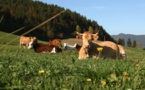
(78, 29)
(90, 29)
(121, 41)
(129, 42)
(30, 13)
(134, 44)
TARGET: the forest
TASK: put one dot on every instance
(15, 14)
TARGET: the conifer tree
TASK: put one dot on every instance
(78, 29)
(90, 29)
(134, 44)
(129, 42)
(123, 42)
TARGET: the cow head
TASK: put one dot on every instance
(87, 38)
(78, 36)
(32, 42)
(55, 42)
(95, 36)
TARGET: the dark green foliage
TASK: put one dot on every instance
(29, 13)
(129, 42)
(134, 44)
(121, 41)
(103, 35)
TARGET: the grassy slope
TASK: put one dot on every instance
(19, 69)
(6, 38)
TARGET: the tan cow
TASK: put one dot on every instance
(122, 54)
(25, 40)
(95, 36)
(89, 47)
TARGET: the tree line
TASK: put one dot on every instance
(15, 14)
(129, 43)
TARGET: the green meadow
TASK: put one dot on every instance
(23, 69)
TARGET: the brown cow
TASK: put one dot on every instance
(89, 48)
(25, 40)
(55, 42)
(39, 47)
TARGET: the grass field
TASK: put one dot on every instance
(24, 69)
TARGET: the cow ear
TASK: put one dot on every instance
(79, 33)
(96, 34)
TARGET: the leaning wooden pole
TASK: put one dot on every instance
(1, 18)
(12, 32)
(35, 27)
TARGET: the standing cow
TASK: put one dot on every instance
(25, 40)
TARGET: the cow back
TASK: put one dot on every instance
(110, 49)
(55, 42)
(25, 40)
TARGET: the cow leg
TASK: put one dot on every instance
(24, 46)
(20, 45)
(83, 54)
(53, 50)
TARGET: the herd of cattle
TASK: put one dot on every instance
(87, 46)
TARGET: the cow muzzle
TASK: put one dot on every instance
(30, 45)
(86, 52)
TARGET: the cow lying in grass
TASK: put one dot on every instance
(55, 42)
(74, 47)
(39, 47)
(66, 46)
(122, 54)
(89, 48)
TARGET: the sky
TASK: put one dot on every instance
(115, 16)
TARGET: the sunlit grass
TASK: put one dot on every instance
(24, 69)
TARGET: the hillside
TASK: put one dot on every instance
(12, 17)
(24, 69)
(138, 38)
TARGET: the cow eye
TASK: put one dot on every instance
(90, 40)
